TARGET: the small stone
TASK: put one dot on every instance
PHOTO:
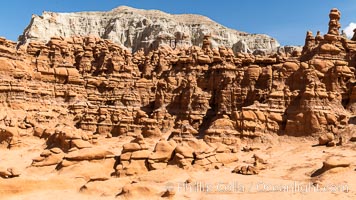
(326, 138)
(190, 180)
(14, 172)
(168, 194)
(331, 144)
(56, 150)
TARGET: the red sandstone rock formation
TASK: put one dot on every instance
(193, 104)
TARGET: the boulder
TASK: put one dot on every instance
(162, 152)
(332, 163)
(89, 154)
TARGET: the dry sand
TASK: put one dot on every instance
(291, 165)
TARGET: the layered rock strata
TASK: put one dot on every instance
(188, 106)
(138, 29)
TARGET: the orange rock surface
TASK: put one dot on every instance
(85, 100)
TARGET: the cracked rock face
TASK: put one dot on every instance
(147, 29)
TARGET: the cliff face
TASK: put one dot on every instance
(188, 107)
(114, 91)
(147, 29)
(86, 108)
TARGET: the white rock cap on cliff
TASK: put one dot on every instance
(147, 29)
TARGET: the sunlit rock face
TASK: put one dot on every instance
(84, 115)
(147, 29)
(203, 92)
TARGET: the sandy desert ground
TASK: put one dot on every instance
(291, 172)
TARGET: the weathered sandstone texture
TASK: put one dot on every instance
(147, 29)
(86, 110)
(187, 107)
(198, 92)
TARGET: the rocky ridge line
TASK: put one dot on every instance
(147, 29)
(110, 112)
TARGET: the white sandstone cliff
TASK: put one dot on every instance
(147, 29)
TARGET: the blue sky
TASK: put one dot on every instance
(286, 20)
